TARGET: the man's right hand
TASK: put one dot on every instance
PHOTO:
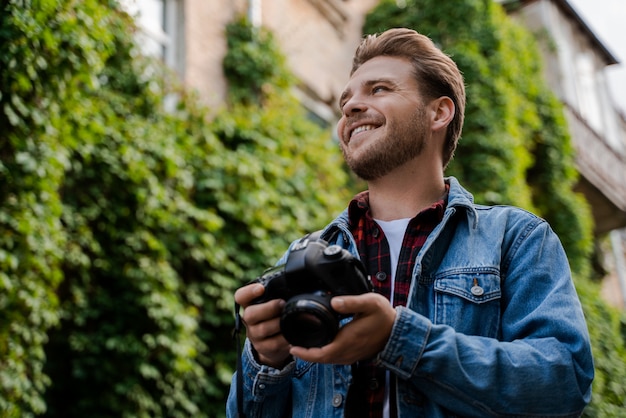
(262, 323)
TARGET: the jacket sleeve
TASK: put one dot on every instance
(542, 353)
(264, 388)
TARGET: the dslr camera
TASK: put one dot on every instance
(314, 273)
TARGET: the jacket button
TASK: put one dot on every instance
(373, 384)
(375, 232)
(477, 291)
(337, 400)
(381, 276)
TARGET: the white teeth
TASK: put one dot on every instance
(362, 128)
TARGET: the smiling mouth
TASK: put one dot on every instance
(362, 128)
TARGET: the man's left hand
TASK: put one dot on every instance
(362, 338)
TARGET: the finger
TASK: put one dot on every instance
(333, 353)
(246, 294)
(313, 355)
(347, 348)
(356, 304)
(254, 314)
(264, 330)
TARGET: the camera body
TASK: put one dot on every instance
(314, 273)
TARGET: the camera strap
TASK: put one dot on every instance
(313, 236)
(237, 338)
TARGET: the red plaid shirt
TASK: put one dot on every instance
(367, 393)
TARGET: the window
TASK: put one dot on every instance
(318, 112)
(161, 23)
(588, 100)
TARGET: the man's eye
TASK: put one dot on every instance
(378, 89)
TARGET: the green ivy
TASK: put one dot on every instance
(126, 229)
(607, 327)
(253, 64)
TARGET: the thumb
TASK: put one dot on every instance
(349, 304)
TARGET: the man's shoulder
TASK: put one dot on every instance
(507, 210)
(508, 221)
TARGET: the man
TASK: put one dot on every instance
(474, 312)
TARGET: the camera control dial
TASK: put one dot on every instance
(333, 251)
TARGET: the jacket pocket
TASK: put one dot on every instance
(469, 301)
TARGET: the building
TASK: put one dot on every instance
(318, 38)
(575, 64)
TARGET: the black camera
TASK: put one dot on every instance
(313, 273)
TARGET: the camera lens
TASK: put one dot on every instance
(309, 321)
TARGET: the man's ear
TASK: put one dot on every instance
(442, 112)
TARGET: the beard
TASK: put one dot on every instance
(402, 143)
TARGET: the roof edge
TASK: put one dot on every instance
(570, 11)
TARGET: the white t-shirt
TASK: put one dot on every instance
(394, 232)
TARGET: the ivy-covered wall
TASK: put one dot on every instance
(125, 229)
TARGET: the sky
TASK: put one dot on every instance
(607, 19)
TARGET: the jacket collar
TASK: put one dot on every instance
(458, 198)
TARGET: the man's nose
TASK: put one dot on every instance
(354, 104)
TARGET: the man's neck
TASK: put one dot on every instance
(404, 193)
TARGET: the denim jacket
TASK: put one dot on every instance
(493, 327)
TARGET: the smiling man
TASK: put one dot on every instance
(473, 313)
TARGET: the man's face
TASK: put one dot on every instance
(383, 123)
